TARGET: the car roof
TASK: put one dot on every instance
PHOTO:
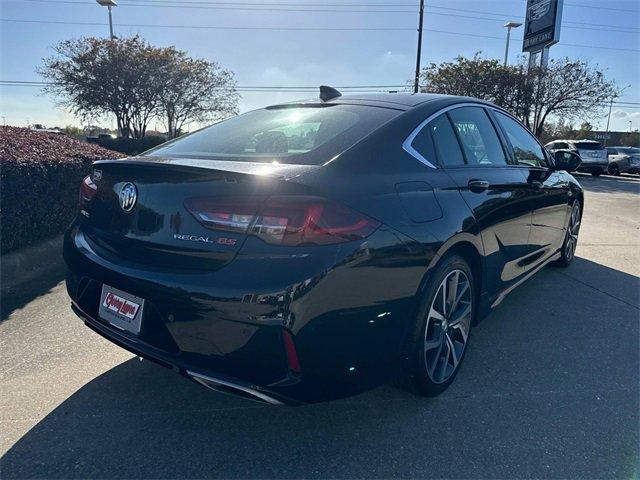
(400, 100)
(574, 141)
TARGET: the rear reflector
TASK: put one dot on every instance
(88, 190)
(292, 354)
(283, 220)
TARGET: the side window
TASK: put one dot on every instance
(526, 148)
(445, 141)
(612, 151)
(562, 146)
(478, 137)
(423, 144)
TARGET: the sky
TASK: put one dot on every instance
(381, 53)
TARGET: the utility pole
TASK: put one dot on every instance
(417, 79)
(606, 136)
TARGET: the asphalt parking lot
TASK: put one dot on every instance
(549, 388)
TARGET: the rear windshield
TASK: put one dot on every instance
(292, 134)
(589, 146)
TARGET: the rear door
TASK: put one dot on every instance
(549, 190)
(470, 151)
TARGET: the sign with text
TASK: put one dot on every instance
(542, 25)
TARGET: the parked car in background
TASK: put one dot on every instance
(623, 160)
(312, 250)
(592, 153)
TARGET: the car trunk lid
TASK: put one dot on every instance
(159, 230)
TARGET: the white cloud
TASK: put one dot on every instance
(622, 114)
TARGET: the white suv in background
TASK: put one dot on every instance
(592, 153)
(623, 160)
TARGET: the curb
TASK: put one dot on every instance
(30, 262)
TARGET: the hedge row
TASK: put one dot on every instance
(40, 175)
(131, 146)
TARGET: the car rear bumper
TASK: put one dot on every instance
(593, 166)
(225, 328)
(220, 382)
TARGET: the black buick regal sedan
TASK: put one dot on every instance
(312, 250)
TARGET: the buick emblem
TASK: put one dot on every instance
(128, 197)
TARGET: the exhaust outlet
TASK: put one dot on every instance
(225, 386)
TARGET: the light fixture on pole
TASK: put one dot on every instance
(109, 4)
(509, 26)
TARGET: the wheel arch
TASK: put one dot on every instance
(470, 248)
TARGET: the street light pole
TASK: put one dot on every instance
(109, 4)
(509, 26)
(417, 79)
(110, 23)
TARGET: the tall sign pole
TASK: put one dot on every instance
(542, 30)
(417, 79)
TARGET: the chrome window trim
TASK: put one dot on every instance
(406, 145)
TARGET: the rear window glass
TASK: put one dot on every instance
(298, 134)
(589, 146)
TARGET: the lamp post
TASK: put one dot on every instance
(108, 4)
(509, 26)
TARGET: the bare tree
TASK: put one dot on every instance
(569, 90)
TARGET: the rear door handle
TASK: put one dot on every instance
(478, 186)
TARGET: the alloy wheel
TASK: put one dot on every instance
(572, 232)
(448, 325)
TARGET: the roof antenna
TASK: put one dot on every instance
(328, 93)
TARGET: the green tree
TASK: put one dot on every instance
(194, 91)
(482, 78)
(132, 80)
(567, 90)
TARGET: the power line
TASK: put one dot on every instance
(240, 8)
(209, 27)
(302, 29)
(209, 2)
(601, 8)
(286, 88)
(513, 15)
(504, 17)
(40, 83)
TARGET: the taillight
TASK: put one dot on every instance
(88, 190)
(283, 220)
(290, 350)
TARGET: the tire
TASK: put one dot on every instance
(614, 169)
(568, 249)
(433, 356)
(596, 173)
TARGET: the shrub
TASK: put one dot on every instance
(40, 176)
(131, 146)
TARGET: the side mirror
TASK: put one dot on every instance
(566, 160)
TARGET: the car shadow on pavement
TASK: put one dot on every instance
(549, 389)
(17, 297)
